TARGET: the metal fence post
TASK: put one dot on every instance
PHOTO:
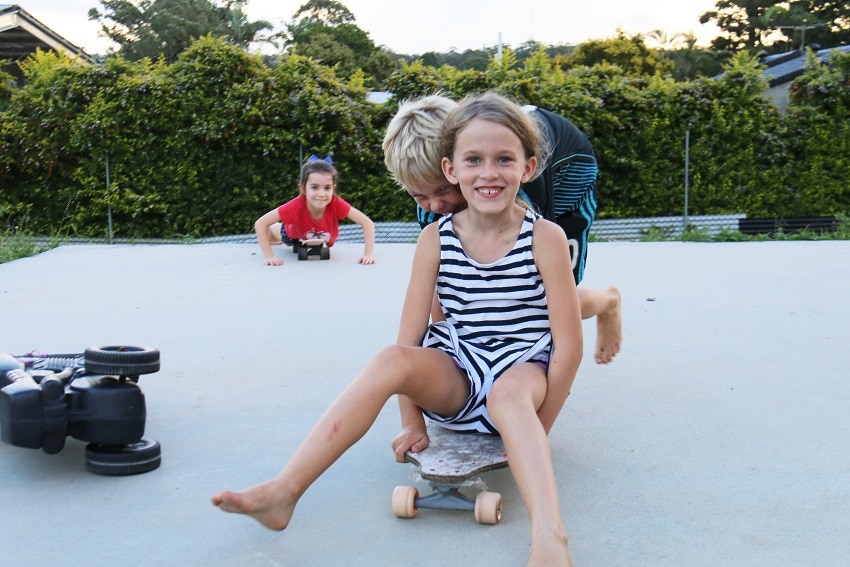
(687, 178)
(108, 200)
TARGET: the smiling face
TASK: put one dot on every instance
(318, 190)
(489, 163)
(442, 199)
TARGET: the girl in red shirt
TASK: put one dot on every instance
(314, 214)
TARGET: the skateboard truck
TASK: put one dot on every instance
(486, 508)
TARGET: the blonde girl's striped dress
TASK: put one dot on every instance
(496, 316)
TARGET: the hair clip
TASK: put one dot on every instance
(314, 157)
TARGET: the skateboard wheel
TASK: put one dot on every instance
(488, 507)
(303, 251)
(404, 501)
(325, 254)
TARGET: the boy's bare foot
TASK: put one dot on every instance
(609, 329)
(263, 502)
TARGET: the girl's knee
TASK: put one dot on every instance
(505, 393)
(397, 357)
(391, 353)
(520, 387)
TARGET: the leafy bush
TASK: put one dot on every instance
(205, 145)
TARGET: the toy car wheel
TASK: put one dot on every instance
(404, 501)
(488, 507)
(303, 251)
(121, 360)
(325, 254)
(121, 460)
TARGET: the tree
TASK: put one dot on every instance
(740, 22)
(689, 61)
(807, 22)
(819, 118)
(755, 24)
(7, 87)
(324, 30)
(630, 54)
(668, 41)
(327, 12)
(154, 28)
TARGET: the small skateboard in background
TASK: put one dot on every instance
(312, 247)
(450, 462)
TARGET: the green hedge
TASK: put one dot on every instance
(205, 145)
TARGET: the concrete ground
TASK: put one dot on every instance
(718, 437)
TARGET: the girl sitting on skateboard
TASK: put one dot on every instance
(505, 356)
(313, 215)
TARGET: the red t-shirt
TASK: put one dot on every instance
(299, 224)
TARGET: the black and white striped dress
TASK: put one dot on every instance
(496, 316)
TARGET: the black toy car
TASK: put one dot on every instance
(93, 396)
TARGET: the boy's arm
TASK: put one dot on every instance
(360, 218)
(261, 228)
(412, 327)
(551, 252)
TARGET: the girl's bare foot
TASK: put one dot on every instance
(609, 329)
(266, 503)
(550, 552)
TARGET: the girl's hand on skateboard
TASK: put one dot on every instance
(410, 439)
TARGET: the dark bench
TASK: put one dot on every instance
(787, 225)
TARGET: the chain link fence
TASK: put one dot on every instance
(407, 232)
(613, 230)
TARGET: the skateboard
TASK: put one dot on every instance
(452, 461)
(312, 247)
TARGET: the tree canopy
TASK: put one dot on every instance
(326, 31)
(630, 54)
(777, 26)
(327, 12)
(166, 28)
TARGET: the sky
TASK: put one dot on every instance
(408, 27)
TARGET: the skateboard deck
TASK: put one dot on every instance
(451, 461)
(454, 457)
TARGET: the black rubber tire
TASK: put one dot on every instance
(325, 254)
(303, 252)
(121, 360)
(122, 460)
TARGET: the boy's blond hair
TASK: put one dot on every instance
(412, 142)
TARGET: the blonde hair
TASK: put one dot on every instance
(498, 109)
(412, 142)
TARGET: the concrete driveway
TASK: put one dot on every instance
(718, 437)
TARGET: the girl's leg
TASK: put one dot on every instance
(274, 234)
(428, 376)
(512, 404)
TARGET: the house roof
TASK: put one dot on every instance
(785, 67)
(21, 34)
